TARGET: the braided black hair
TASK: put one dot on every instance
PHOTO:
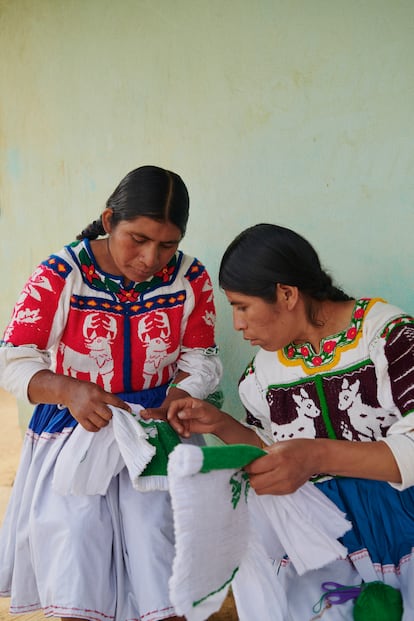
(267, 254)
(148, 191)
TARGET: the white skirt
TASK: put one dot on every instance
(101, 558)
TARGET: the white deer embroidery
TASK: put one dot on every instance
(156, 347)
(303, 425)
(367, 420)
(32, 289)
(99, 361)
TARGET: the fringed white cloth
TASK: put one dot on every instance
(216, 518)
(304, 525)
(89, 460)
(211, 528)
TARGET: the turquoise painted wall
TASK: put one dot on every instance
(298, 112)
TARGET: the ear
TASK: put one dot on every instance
(288, 295)
(107, 220)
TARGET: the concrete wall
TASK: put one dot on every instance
(298, 112)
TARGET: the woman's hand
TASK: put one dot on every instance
(187, 416)
(160, 413)
(286, 467)
(289, 464)
(87, 402)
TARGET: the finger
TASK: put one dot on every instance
(187, 414)
(89, 427)
(102, 411)
(100, 419)
(258, 467)
(273, 484)
(117, 402)
(261, 485)
(154, 413)
(124, 406)
(177, 425)
(178, 404)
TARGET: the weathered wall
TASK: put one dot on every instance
(292, 112)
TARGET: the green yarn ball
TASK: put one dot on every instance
(378, 602)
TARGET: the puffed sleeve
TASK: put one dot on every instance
(26, 345)
(253, 397)
(199, 354)
(394, 360)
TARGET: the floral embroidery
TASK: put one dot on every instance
(128, 296)
(165, 273)
(103, 282)
(400, 321)
(329, 347)
(237, 481)
(89, 272)
(249, 370)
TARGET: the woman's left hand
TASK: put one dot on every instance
(286, 467)
(160, 413)
(289, 464)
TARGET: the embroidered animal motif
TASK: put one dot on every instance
(368, 421)
(32, 289)
(303, 425)
(154, 332)
(99, 361)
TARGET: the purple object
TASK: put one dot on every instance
(338, 593)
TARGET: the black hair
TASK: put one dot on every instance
(148, 191)
(267, 254)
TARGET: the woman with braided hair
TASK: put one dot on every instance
(119, 317)
(330, 395)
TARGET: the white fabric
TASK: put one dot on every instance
(305, 524)
(213, 531)
(205, 370)
(400, 440)
(210, 534)
(89, 460)
(257, 591)
(18, 365)
(81, 555)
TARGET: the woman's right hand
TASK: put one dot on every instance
(89, 405)
(190, 415)
(87, 402)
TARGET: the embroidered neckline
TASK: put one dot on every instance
(102, 281)
(330, 345)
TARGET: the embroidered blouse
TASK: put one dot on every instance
(77, 320)
(359, 387)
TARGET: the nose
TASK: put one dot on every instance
(238, 322)
(150, 255)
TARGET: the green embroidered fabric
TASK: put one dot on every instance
(163, 437)
(230, 456)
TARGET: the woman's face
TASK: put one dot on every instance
(269, 325)
(139, 248)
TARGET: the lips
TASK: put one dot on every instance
(140, 275)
